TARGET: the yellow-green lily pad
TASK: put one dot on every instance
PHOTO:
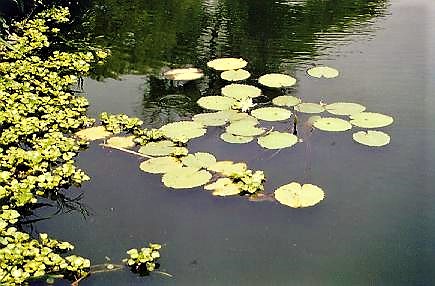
(372, 138)
(216, 102)
(199, 160)
(93, 133)
(228, 168)
(160, 165)
(276, 80)
(332, 124)
(271, 113)
(121, 141)
(224, 187)
(185, 74)
(244, 128)
(211, 119)
(309, 107)
(182, 131)
(344, 108)
(323, 71)
(223, 64)
(371, 120)
(236, 139)
(286, 100)
(296, 196)
(240, 91)
(277, 140)
(186, 178)
(162, 148)
(235, 75)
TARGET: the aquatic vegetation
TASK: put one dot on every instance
(216, 102)
(184, 74)
(344, 108)
(271, 113)
(296, 196)
(371, 120)
(240, 91)
(372, 138)
(235, 75)
(235, 139)
(182, 131)
(286, 100)
(117, 123)
(211, 119)
(122, 141)
(186, 178)
(323, 71)
(161, 165)
(276, 80)
(309, 107)
(93, 133)
(143, 260)
(224, 64)
(199, 160)
(224, 187)
(277, 140)
(332, 124)
(163, 148)
(244, 127)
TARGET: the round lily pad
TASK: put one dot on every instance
(308, 107)
(236, 139)
(286, 100)
(372, 138)
(186, 178)
(216, 102)
(240, 91)
(224, 64)
(199, 160)
(371, 120)
(93, 133)
(344, 108)
(224, 187)
(244, 128)
(235, 75)
(121, 141)
(276, 80)
(271, 113)
(162, 148)
(185, 74)
(296, 196)
(160, 165)
(210, 119)
(182, 131)
(323, 71)
(277, 140)
(228, 168)
(332, 124)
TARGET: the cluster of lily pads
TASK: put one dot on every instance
(143, 260)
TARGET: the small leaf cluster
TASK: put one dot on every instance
(143, 260)
(250, 182)
(117, 123)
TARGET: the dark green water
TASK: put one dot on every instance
(377, 223)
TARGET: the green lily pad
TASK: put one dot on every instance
(216, 102)
(332, 124)
(277, 140)
(182, 131)
(121, 141)
(371, 120)
(224, 187)
(372, 138)
(199, 160)
(323, 71)
(224, 64)
(244, 128)
(308, 107)
(162, 148)
(235, 75)
(186, 178)
(228, 168)
(271, 113)
(236, 139)
(296, 196)
(211, 119)
(344, 108)
(93, 133)
(240, 91)
(276, 80)
(185, 74)
(286, 100)
(160, 165)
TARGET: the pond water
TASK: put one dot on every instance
(377, 223)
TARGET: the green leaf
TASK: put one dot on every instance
(122, 142)
(161, 148)
(223, 64)
(224, 187)
(309, 107)
(93, 133)
(235, 139)
(183, 130)
(185, 178)
(371, 120)
(271, 113)
(332, 124)
(276, 80)
(296, 196)
(277, 140)
(244, 128)
(199, 160)
(344, 108)
(323, 71)
(240, 91)
(160, 165)
(372, 138)
(235, 75)
(286, 100)
(216, 102)
(228, 168)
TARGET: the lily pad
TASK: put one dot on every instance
(240, 91)
(286, 100)
(371, 120)
(244, 128)
(323, 71)
(308, 107)
(224, 64)
(235, 75)
(236, 139)
(216, 102)
(182, 131)
(271, 113)
(160, 165)
(162, 148)
(344, 108)
(211, 119)
(185, 74)
(276, 80)
(228, 168)
(296, 196)
(93, 133)
(224, 187)
(372, 138)
(199, 160)
(332, 124)
(122, 142)
(277, 140)
(186, 178)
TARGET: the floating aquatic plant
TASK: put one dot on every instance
(344, 108)
(143, 260)
(160, 165)
(296, 196)
(93, 133)
(235, 139)
(216, 102)
(224, 187)
(277, 140)
(228, 168)
(271, 113)
(224, 64)
(371, 120)
(286, 100)
(183, 131)
(240, 91)
(309, 107)
(122, 141)
(372, 138)
(199, 160)
(244, 127)
(332, 124)
(163, 148)
(211, 119)
(277, 80)
(235, 75)
(186, 178)
(323, 71)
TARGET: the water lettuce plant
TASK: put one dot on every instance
(143, 260)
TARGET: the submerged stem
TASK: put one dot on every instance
(126, 150)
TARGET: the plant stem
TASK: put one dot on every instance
(126, 150)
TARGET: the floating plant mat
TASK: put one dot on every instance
(323, 71)
(240, 91)
(224, 64)
(296, 196)
(344, 108)
(286, 100)
(183, 130)
(271, 113)
(216, 102)
(185, 74)
(309, 107)
(162, 148)
(198, 160)
(277, 140)
(332, 124)
(224, 187)
(235, 139)
(122, 142)
(93, 133)
(371, 120)
(161, 165)
(235, 75)
(186, 178)
(276, 80)
(372, 138)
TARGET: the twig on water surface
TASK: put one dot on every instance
(126, 150)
